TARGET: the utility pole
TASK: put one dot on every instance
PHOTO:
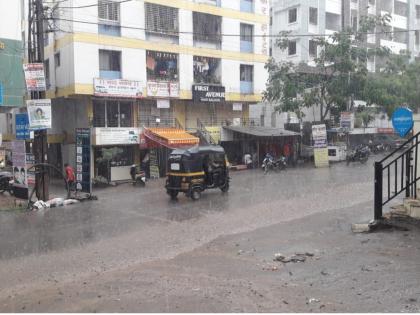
(36, 55)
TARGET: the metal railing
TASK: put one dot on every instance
(203, 132)
(398, 171)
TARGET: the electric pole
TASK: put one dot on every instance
(36, 55)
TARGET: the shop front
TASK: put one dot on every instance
(115, 150)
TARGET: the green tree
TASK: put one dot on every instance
(339, 73)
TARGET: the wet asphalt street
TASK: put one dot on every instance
(136, 250)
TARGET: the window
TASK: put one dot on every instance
(161, 66)
(109, 17)
(417, 34)
(418, 12)
(161, 19)
(291, 48)
(313, 49)
(313, 16)
(354, 23)
(207, 28)
(207, 70)
(57, 60)
(247, 73)
(247, 34)
(372, 2)
(293, 15)
(110, 64)
(112, 114)
(247, 6)
(400, 8)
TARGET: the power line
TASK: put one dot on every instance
(94, 5)
(238, 35)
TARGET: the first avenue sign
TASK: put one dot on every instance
(208, 93)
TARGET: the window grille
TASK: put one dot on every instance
(247, 73)
(313, 16)
(247, 32)
(161, 19)
(292, 48)
(207, 27)
(313, 47)
(109, 60)
(293, 15)
(109, 10)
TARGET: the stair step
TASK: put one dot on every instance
(413, 207)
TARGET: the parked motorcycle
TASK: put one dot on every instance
(137, 176)
(6, 182)
(360, 154)
(269, 163)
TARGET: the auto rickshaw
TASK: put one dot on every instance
(194, 170)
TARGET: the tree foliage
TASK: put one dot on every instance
(338, 75)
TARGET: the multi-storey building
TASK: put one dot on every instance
(120, 66)
(326, 16)
(11, 57)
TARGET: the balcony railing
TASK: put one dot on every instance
(247, 46)
(247, 87)
(104, 74)
(109, 29)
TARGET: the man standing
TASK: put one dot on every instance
(145, 164)
(69, 176)
(286, 152)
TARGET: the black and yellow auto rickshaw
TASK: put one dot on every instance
(194, 170)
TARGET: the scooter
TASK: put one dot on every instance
(138, 177)
(277, 165)
(6, 182)
(360, 154)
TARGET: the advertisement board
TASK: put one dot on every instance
(118, 88)
(112, 136)
(34, 77)
(208, 93)
(39, 112)
(22, 126)
(162, 89)
(319, 136)
(20, 185)
(347, 120)
(83, 181)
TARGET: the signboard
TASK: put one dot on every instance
(19, 169)
(402, 121)
(237, 107)
(30, 176)
(39, 112)
(319, 136)
(22, 127)
(162, 89)
(163, 103)
(154, 164)
(1, 94)
(111, 136)
(386, 130)
(83, 182)
(347, 120)
(34, 77)
(2, 158)
(118, 88)
(208, 93)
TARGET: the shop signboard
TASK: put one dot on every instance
(319, 136)
(402, 121)
(237, 107)
(83, 181)
(20, 185)
(208, 93)
(118, 88)
(164, 103)
(162, 89)
(34, 77)
(154, 164)
(22, 126)
(30, 174)
(115, 136)
(39, 112)
(347, 120)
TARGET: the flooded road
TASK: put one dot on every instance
(129, 227)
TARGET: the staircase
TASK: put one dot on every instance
(204, 135)
(396, 174)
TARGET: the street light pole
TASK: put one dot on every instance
(36, 54)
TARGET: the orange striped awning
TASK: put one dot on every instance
(171, 137)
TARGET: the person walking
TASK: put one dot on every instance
(286, 152)
(145, 164)
(70, 178)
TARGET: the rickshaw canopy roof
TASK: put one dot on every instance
(211, 149)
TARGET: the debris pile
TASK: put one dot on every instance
(298, 257)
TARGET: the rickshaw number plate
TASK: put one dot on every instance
(175, 167)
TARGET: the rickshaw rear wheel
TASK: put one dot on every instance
(196, 194)
(225, 188)
(173, 194)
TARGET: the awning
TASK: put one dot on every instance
(262, 131)
(171, 137)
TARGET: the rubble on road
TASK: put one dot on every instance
(56, 202)
(297, 257)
